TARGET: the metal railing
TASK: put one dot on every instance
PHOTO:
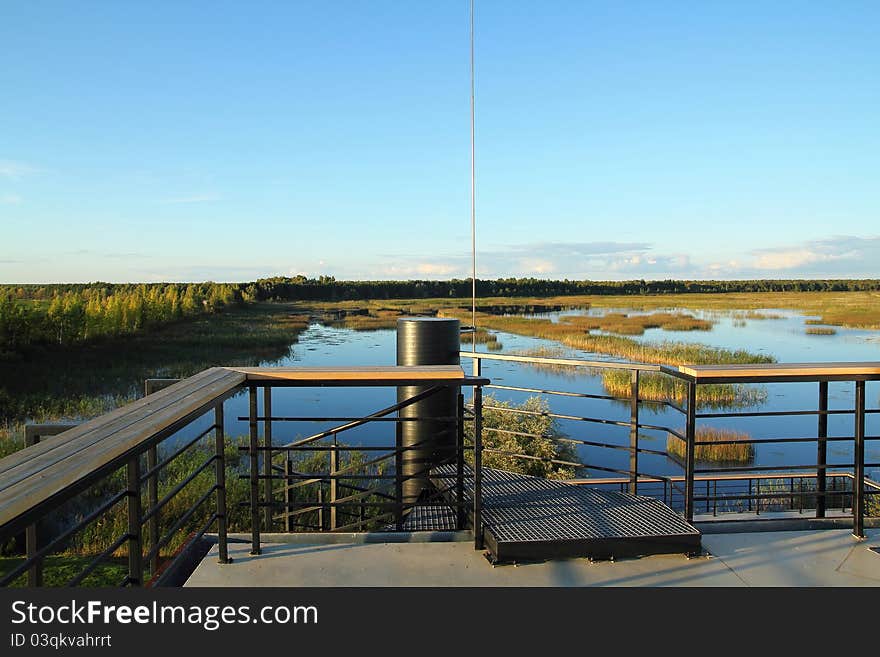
(351, 494)
(122, 491)
(749, 489)
(324, 483)
(114, 471)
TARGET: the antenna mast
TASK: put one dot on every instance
(473, 201)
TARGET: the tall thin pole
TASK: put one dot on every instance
(473, 201)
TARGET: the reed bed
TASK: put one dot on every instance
(736, 453)
(668, 353)
(820, 330)
(661, 387)
(624, 324)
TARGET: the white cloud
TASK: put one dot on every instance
(15, 170)
(841, 255)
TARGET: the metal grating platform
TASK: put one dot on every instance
(429, 517)
(530, 518)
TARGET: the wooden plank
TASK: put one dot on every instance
(362, 375)
(36, 486)
(774, 370)
(87, 434)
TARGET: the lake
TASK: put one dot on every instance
(783, 337)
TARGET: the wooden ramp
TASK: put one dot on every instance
(529, 518)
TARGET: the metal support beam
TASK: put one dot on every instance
(460, 515)
(691, 437)
(288, 469)
(478, 468)
(151, 386)
(398, 477)
(135, 545)
(254, 471)
(334, 483)
(267, 456)
(153, 503)
(634, 434)
(858, 503)
(220, 474)
(822, 450)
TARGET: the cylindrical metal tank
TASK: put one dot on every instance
(426, 341)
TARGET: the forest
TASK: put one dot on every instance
(70, 313)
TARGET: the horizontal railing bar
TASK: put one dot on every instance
(178, 452)
(575, 441)
(495, 386)
(310, 418)
(559, 416)
(610, 481)
(763, 441)
(323, 477)
(598, 364)
(771, 496)
(149, 513)
(162, 542)
(530, 457)
(98, 560)
(380, 413)
(46, 549)
(775, 413)
(767, 468)
(675, 433)
(346, 448)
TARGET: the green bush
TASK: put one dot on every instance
(535, 454)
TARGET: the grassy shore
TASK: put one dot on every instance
(623, 324)
(736, 453)
(850, 309)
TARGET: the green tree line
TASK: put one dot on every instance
(70, 313)
(327, 288)
(67, 315)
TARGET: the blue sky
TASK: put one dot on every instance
(228, 141)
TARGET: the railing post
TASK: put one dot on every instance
(255, 471)
(35, 572)
(287, 470)
(220, 475)
(634, 434)
(135, 546)
(461, 516)
(822, 450)
(151, 386)
(478, 366)
(478, 468)
(320, 504)
(153, 502)
(858, 504)
(691, 436)
(334, 483)
(398, 477)
(267, 456)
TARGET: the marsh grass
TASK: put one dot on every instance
(823, 330)
(729, 453)
(853, 309)
(624, 324)
(661, 387)
(82, 381)
(670, 353)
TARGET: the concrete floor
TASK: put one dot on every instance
(829, 557)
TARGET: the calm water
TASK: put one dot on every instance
(783, 338)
